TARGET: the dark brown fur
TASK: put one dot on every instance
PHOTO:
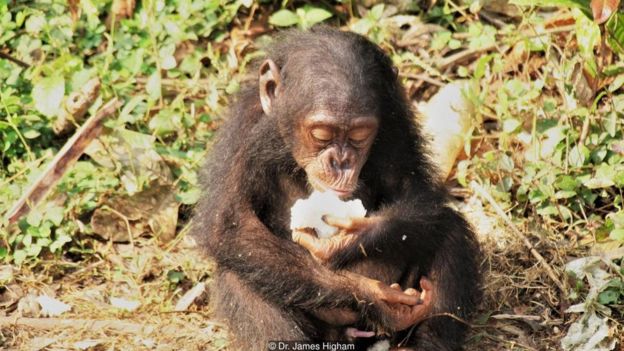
(267, 287)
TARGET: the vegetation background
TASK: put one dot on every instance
(104, 263)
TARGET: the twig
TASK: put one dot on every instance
(514, 343)
(424, 78)
(68, 155)
(413, 38)
(14, 60)
(462, 55)
(522, 317)
(499, 211)
(492, 18)
(448, 61)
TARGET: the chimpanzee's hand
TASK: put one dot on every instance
(324, 249)
(399, 309)
(400, 316)
(357, 225)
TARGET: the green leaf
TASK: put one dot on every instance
(19, 256)
(189, 197)
(34, 218)
(59, 242)
(510, 125)
(55, 215)
(440, 40)
(587, 35)
(565, 194)
(617, 234)
(48, 94)
(377, 11)
(583, 5)
(610, 123)
(153, 86)
(284, 18)
(608, 297)
(577, 156)
(314, 15)
(175, 276)
(35, 23)
(31, 134)
(567, 183)
(615, 30)
(482, 65)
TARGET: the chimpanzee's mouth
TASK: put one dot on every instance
(341, 193)
(322, 187)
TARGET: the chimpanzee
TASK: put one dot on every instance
(328, 112)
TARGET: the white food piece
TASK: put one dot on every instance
(308, 213)
(52, 307)
(123, 304)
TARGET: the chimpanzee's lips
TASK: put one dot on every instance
(341, 192)
(321, 186)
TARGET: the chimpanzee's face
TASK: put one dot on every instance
(333, 149)
(332, 141)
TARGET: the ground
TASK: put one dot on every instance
(522, 305)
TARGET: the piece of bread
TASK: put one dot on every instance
(308, 213)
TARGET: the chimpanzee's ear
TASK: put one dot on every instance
(269, 84)
(395, 70)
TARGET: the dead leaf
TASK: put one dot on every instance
(86, 344)
(447, 119)
(190, 296)
(133, 152)
(74, 9)
(124, 304)
(584, 85)
(75, 107)
(120, 9)
(517, 56)
(7, 274)
(589, 333)
(602, 9)
(40, 343)
(52, 307)
(12, 294)
(28, 306)
(153, 211)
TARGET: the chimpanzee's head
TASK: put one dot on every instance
(328, 95)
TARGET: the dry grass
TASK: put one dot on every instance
(522, 308)
(137, 273)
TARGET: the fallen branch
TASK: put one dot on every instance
(91, 324)
(14, 60)
(462, 55)
(96, 325)
(65, 158)
(76, 106)
(499, 211)
(424, 78)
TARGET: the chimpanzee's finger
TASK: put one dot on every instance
(308, 241)
(427, 290)
(338, 222)
(412, 291)
(392, 296)
(395, 286)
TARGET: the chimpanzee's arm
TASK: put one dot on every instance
(282, 271)
(403, 232)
